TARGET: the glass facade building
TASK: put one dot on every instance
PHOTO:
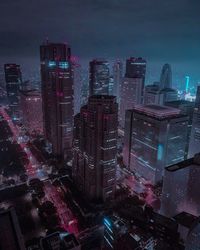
(155, 137)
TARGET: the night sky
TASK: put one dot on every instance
(160, 31)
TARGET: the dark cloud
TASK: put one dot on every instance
(158, 30)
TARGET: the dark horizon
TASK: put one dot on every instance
(110, 29)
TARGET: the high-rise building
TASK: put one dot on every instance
(132, 87)
(131, 95)
(117, 77)
(186, 108)
(99, 77)
(194, 147)
(169, 95)
(136, 68)
(155, 137)
(13, 78)
(95, 147)
(77, 70)
(181, 188)
(166, 77)
(31, 107)
(11, 237)
(57, 96)
(152, 95)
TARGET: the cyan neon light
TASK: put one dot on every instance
(52, 63)
(64, 65)
(187, 83)
(107, 222)
(160, 152)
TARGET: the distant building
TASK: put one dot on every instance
(57, 96)
(166, 77)
(155, 137)
(136, 68)
(95, 147)
(117, 77)
(194, 147)
(181, 188)
(131, 95)
(169, 95)
(31, 107)
(152, 95)
(60, 241)
(132, 87)
(13, 78)
(11, 237)
(77, 72)
(99, 77)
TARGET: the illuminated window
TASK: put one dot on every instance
(64, 65)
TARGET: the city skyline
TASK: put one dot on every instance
(124, 29)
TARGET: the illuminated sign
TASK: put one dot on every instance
(63, 65)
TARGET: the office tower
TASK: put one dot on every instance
(31, 107)
(181, 188)
(85, 88)
(13, 78)
(99, 77)
(169, 95)
(57, 96)
(77, 70)
(155, 137)
(131, 95)
(187, 108)
(193, 239)
(117, 77)
(166, 77)
(136, 68)
(95, 147)
(10, 234)
(152, 95)
(132, 86)
(194, 147)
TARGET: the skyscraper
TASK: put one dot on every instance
(194, 147)
(99, 77)
(136, 68)
(31, 107)
(95, 147)
(131, 95)
(117, 77)
(132, 87)
(13, 79)
(166, 77)
(77, 72)
(57, 96)
(181, 188)
(155, 137)
(152, 95)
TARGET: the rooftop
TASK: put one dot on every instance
(157, 111)
(185, 163)
(186, 219)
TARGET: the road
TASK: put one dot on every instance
(54, 194)
(32, 167)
